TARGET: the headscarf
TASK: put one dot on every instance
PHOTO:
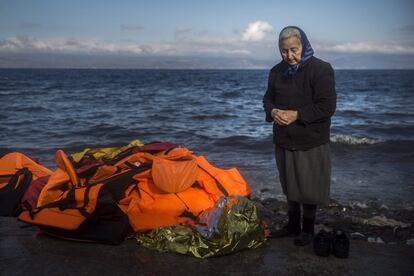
(307, 52)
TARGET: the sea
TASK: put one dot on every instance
(217, 114)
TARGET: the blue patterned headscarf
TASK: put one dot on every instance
(307, 51)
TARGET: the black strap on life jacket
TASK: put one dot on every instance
(185, 204)
(218, 184)
(186, 214)
(12, 193)
(63, 204)
(117, 184)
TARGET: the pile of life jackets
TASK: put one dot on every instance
(100, 195)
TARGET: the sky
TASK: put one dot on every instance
(202, 34)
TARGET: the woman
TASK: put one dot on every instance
(300, 100)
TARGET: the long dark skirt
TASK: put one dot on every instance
(305, 175)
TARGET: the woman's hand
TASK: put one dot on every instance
(284, 117)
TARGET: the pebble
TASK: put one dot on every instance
(358, 236)
(359, 204)
(375, 240)
(384, 207)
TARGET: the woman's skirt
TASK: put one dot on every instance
(305, 175)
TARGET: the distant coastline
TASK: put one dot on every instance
(217, 62)
(188, 69)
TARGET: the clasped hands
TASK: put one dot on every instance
(284, 117)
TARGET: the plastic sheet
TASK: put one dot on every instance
(231, 225)
(106, 153)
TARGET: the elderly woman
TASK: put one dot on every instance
(300, 100)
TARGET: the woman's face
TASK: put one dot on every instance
(291, 50)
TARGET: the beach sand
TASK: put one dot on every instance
(24, 252)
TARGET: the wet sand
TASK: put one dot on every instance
(23, 252)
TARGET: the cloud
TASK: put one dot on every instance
(205, 48)
(366, 48)
(135, 28)
(192, 46)
(90, 46)
(256, 31)
(26, 44)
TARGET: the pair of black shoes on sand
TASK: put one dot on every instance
(324, 243)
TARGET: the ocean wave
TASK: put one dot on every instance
(354, 140)
(264, 144)
(230, 94)
(216, 116)
(244, 142)
(53, 87)
(32, 108)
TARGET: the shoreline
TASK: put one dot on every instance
(370, 222)
(23, 250)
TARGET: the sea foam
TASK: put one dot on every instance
(354, 140)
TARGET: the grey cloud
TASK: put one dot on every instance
(147, 49)
(26, 44)
(15, 43)
(365, 47)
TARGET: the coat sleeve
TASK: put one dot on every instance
(324, 97)
(269, 98)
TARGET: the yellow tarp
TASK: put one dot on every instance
(231, 225)
(104, 153)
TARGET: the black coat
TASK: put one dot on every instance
(311, 91)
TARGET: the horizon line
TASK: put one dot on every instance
(178, 69)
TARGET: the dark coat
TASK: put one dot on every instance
(311, 91)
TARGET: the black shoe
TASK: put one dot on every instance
(340, 244)
(304, 238)
(322, 244)
(291, 229)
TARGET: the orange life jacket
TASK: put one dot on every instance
(14, 161)
(17, 172)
